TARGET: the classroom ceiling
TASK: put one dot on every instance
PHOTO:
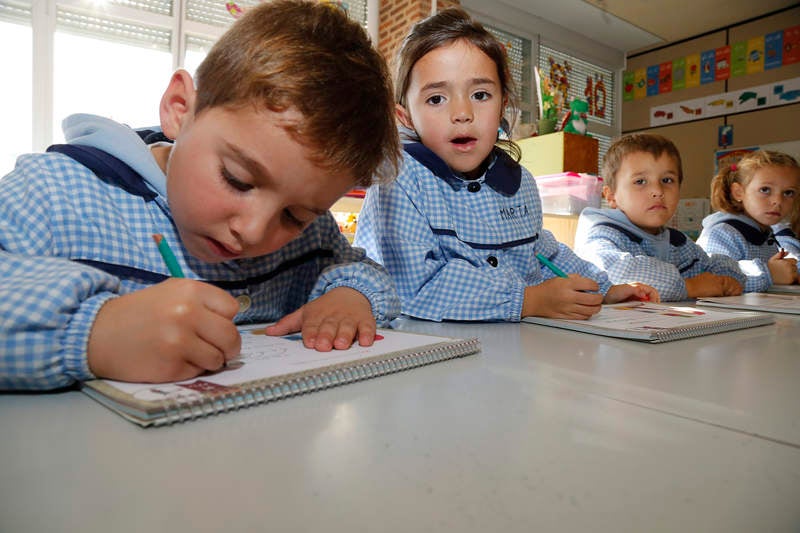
(636, 25)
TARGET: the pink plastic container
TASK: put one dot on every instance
(567, 193)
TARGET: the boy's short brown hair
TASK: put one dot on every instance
(656, 145)
(311, 57)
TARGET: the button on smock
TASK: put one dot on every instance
(244, 302)
(473, 186)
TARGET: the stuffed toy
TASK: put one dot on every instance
(575, 120)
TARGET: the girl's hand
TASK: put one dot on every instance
(172, 331)
(782, 269)
(708, 284)
(574, 297)
(631, 291)
(332, 321)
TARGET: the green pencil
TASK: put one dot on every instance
(549, 264)
(169, 258)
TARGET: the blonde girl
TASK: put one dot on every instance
(752, 197)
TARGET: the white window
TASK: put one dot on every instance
(518, 51)
(107, 57)
(574, 77)
(16, 90)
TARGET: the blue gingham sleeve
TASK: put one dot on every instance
(352, 268)
(726, 240)
(47, 305)
(606, 248)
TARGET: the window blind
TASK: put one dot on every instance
(518, 51)
(162, 7)
(581, 79)
(18, 12)
(112, 29)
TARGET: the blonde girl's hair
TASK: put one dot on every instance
(742, 172)
(309, 56)
(443, 28)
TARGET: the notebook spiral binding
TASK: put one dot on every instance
(705, 329)
(261, 392)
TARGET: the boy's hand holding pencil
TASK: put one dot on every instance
(171, 331)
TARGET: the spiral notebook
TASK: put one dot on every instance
(650, 322)
(271, 368)
(757, 301)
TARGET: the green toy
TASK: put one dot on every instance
(575, 120)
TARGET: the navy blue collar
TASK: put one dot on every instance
(751, 234)
(504, 176)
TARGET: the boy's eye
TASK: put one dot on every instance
(789, 194)
(668, 179)
(481, 95)
(293, 220)
(435, 99)
(639, 181)
(764, 190)
(231, 180)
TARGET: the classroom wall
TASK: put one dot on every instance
(397, 17)
(697, 141)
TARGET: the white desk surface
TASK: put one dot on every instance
(545, 430)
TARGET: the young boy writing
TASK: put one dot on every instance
(642, 176)
(266, 138)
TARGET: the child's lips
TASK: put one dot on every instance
(463, 143)
(221, 250)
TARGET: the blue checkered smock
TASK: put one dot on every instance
(70, 241)
(787, 239)
(740, 237)
(627, 253)
(462, 250)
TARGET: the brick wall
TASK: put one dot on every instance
(397, 17)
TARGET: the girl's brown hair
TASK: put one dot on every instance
(742, 172)
(311, 57)
(443, 28)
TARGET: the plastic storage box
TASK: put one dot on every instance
(567, 193)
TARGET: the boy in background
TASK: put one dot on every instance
(266, 138)
(642, 176)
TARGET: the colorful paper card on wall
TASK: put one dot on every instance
(627, 86)
(679, 74)
(752, 97)
(662, 115)
(739, 59)
(785, 92)
(639, 83)
(773, 50)
(791, 45)
(707, 66)
(690, 110)
(652, 80)
(755, 55)
(718, 104)
(722, 59)
(692, 70)
(665, 77)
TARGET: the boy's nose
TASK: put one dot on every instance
(252, 228)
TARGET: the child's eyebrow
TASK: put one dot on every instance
(441, 84)
(253, 166)
(258, 170)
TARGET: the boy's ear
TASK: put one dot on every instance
(403, 116)
(177, 103)
(608, 194)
